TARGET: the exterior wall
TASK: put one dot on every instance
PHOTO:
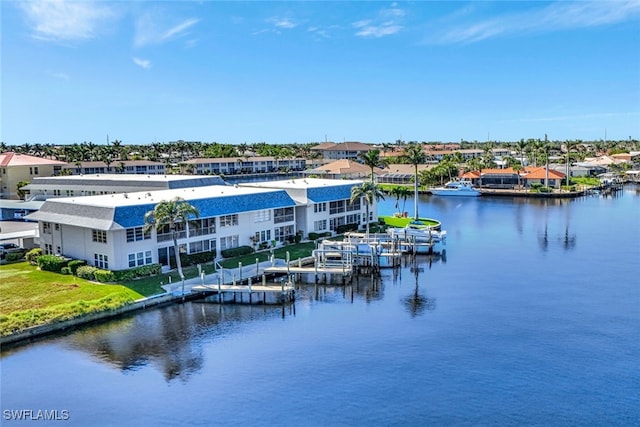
(10, 176)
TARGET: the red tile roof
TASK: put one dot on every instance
(11, 158)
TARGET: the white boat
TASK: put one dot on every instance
(419, 240)
(456, 188)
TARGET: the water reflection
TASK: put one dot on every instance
(170, 338)
(418, 303)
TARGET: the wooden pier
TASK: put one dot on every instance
(249, 294)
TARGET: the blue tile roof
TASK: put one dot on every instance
(133, 216)
(328, 194)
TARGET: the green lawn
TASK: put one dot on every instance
(403, 222)
(30, 297)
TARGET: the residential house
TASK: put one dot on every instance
(144, 167)
(16, 167)
(343, 169)
(344, 150)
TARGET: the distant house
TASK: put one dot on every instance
(16, 167)
(145, 167)
(400, 173)
(241, 165)
(509, 179)
(344, 150)
(343, 169)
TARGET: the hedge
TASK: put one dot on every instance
(134, 273)
(239, 251)
(74, 264)
(192, 259)
(86, 272)
(346, 227)
(14, 256)
(316, 236)
(52, 263)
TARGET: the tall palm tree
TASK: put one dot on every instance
(369, 192)
(414, 155)
(569, 146)
(521, 148)
(372, 159)
(170, 214)
(544, 149)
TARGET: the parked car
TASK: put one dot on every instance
(5, 248)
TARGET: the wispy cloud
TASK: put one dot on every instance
(284, 23)
(66, 21)
(562, 15)
(386, 23)
(142, 63)
(150, 29)
(61, 76)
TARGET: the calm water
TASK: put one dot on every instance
(530, 317)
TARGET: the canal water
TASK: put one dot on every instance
(530, 315)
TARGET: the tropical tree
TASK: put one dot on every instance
(414, 155)
(521, 148)
(19, 191)
(372, 159)
(569, 146)
(400, 192)
(369, 192)
(517, 168)
(171, 214)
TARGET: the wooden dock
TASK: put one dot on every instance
(249, 294)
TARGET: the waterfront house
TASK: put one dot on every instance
(16, 167)
(400, 173)
(507, 178)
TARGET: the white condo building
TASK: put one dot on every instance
(107, 230)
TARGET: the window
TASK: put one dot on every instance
(262, 236)
(56, 226)
(355, 206)
(164, 234)
(320, 207)
(202, 246)
(46, 228)
(48, 249)
(320, 225)
(140, 258)
(229, 242)
(99, 236)
(334, 223)
(228, 220)
(56, 192)
(282, 215)
(353, 219)
(205, 226)
(336, 207)
(101, 261)
(262, 216)
(70, 193)
(136, 234)
(282, 233)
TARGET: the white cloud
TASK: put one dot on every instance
(284, 23)
(65, 21)
(560, 15)
(386, 23)
(149, 29)
(142, 63)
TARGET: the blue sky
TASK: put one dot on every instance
(285, 72)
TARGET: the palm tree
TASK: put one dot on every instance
(400, 192)
(521, 148)
(372, 159)
(569, 146)
(369, 192)
(544, 148)
(517, 168)
(414, 155)
(170, 214)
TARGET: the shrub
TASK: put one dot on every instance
(74, 264)
(234, 252)
(104, 276)
(192, 259)
(33, 255)
(86, 272)
(51, 263)
(316, 236)
(134, 273)
(346, 227)
(14, 256)
(65, 270)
